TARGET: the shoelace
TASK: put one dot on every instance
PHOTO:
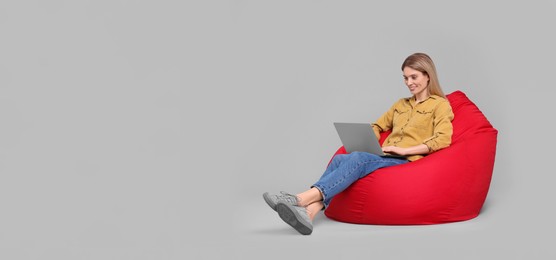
(289, 198)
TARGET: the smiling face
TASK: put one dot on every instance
(417, 82)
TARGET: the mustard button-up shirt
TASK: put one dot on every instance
(428, 122)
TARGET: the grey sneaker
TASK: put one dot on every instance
(272, 199)
(295, 216)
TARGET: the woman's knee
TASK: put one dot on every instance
(353, 157)
(361, 156)
(339, 158)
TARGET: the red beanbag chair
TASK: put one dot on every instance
(445, 186)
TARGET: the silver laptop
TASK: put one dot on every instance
(360, 137)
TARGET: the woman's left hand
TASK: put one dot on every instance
(418, 149)
(394, 149)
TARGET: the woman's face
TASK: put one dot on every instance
(416, 81)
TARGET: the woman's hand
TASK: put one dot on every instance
(418, 149)
(394, 150)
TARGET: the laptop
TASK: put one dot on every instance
(360, 137)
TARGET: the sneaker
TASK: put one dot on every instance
(295, 216)
(273, 199)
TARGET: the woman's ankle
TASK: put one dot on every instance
(314, 208)
(309, 197)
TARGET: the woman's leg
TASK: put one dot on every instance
(344, 170)
(313, 195)
(314, 208)
(309, 197)
(348, 170)
(299, 210)
(335, 163)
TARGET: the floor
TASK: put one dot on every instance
(259, 232)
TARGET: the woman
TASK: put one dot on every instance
(420, 125)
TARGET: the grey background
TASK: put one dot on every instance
(150, 129)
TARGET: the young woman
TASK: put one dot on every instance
(420, 124)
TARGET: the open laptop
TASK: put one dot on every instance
(360, 137)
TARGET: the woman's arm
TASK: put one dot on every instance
(443, 128)
(384, 123)
(441, 138)
(413, 150)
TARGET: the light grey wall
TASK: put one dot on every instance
(131, 129)
(315, 63)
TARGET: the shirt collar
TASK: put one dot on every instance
(412, 100)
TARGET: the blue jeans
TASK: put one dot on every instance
(345, 169)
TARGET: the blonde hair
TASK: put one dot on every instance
(423, 63)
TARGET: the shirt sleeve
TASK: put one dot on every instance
(442, 133)
(385, 122)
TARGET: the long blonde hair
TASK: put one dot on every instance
(423, 63)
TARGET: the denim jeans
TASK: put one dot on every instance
(345, 169)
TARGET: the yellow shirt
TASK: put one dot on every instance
(428, 122)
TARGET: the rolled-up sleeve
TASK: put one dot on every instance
(442, 133)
